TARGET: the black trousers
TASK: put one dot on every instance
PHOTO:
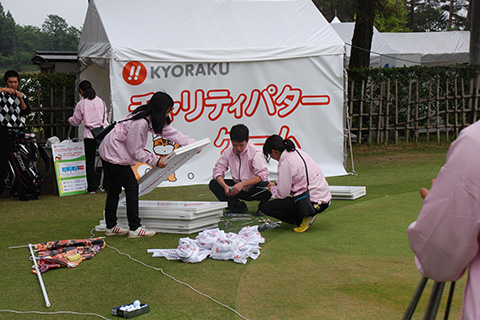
(251, 195)
(6, 145)
(90, 151)
(118, 176)
(286, 211)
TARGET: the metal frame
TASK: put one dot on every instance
(433, 302)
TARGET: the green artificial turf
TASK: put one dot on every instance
(354, 263)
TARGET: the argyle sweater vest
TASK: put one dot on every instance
(10, 111)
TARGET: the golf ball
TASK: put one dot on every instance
(136, 303)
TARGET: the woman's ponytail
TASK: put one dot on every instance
(89, 92)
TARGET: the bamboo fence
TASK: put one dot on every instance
(431, 111)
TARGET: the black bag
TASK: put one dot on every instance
(96, 131)
(26, 179)
(304, 205)
(101, 132)
(302, 201)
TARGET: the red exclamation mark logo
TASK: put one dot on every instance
(134, 73)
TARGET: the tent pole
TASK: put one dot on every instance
(347, 132)
(39, 275)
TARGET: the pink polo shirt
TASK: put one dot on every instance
(292, 178)
(248, 164)
(125, 144)
(93, 113)
(445, 238)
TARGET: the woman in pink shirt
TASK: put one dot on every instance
(123, 147)
(291, 181)
(92, 111)
(446, 236)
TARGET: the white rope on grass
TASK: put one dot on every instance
(178, 281)
(55, 312)
(174, 279)
(32, 257)
(143, 264)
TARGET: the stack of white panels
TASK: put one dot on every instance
(347, 192)
(182, 217)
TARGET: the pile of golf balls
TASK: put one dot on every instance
(130, 307)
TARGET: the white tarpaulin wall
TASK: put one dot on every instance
(274, 65)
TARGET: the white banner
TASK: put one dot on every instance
(300, 99)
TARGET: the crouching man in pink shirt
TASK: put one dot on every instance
(249, 172)
(445, 238)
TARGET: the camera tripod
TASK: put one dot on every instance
(433, 302)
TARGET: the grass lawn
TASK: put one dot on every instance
(354, 263)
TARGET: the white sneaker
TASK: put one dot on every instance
(116, 231)
(141, 232)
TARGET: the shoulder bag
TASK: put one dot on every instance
(302, 201)
(99, 132)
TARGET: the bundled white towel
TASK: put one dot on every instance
(216, 244)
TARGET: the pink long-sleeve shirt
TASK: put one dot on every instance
(125, 144)
(292, 178)
(445, 238)
(248, 164)
(93, 113)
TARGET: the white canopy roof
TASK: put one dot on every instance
(407, 48)
(206, 30)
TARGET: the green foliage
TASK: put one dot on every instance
(18, 44)
(7, 34)
(438, 15)
(392, 17)
(60, 35)
(456, 11)
(31, 39)
(342, 9)
(422, 73)
(430, 18)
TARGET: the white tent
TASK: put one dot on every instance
(398, 49)
(427, 48)
(274, 65)
(345, 31)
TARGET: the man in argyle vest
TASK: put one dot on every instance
(13, 109)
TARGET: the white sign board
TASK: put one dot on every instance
(173, 160)
(70, 170)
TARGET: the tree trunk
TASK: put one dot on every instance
(475, 33)
(450, 14)
(468, 22)
(362, 35)
(411, 19)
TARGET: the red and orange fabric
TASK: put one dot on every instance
(66, 253)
